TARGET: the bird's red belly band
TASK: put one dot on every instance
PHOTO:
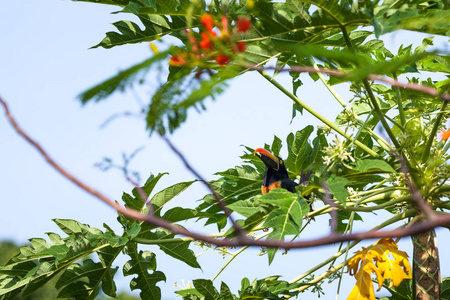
(266, 189)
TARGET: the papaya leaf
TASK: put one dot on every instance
(68, 226)
(137, 202)
(245, 208)
(170, 104)
(83, 281)
(159, 17)
(178, 250)
(385, 260)
(374, 165)
(285, 220)
(421, 17)
(167, 194)
(225, 292)
(39, 262)
(240, 183)
(337, 186)
(445, 288)
(140, 264)
(177, 214)
(267, 288)
(123, 79)
(206, 288)
(299, 149)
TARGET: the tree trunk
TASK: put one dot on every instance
(427, 275)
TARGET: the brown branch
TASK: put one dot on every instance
(306, 69)
(423, 206)
(438, 220)
(333, 213)
(237, 229)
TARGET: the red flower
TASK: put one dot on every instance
(224, 30)
(207, 21)
(444, 134)
(241, 46)
(177, 61)
(223, 59)
(206, 42)
(243, 24)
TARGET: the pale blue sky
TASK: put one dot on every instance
(45, 63)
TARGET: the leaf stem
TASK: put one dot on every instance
(372, 96)
(399, 102)
(316, 114)
(236, 254)
(382, 142)
(380, 114)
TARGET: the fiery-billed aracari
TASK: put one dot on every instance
(276, 175)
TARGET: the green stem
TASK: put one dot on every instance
(380, 114)
(371, 95)
(236, 254)
(324, 81)
(316, 114)
(399, 103)
(382, 142)
(353, 206)
(431, 137)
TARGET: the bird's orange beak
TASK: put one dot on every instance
(268, 158)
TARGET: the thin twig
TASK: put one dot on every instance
(237, 229)
(333, 213)
(307, 69)
(415, 194)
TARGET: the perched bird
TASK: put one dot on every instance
(276, 175)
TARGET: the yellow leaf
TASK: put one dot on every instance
(377, 259)
(363, 290)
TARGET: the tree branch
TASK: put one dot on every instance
(436, 221)
(333, 212)
(306, 69)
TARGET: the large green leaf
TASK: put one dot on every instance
(140, 264)
(178, 250)
(337, 187)
(285, 220)
(421, 16)
(167, 194)
(206, 288)
(39, 262)
(299, 149)
(183, 91)
(240, 183)
(159, 17)
(137, 202)
(83, 281)
(122, 80)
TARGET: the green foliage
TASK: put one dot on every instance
(140, 264)
(267, 288)
(70, 258)
(290, 32)
(359, 171)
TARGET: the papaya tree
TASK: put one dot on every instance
(386, 150)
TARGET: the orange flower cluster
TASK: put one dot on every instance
(214, 44)
(444, 134)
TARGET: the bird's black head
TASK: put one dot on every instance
(274, 164)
